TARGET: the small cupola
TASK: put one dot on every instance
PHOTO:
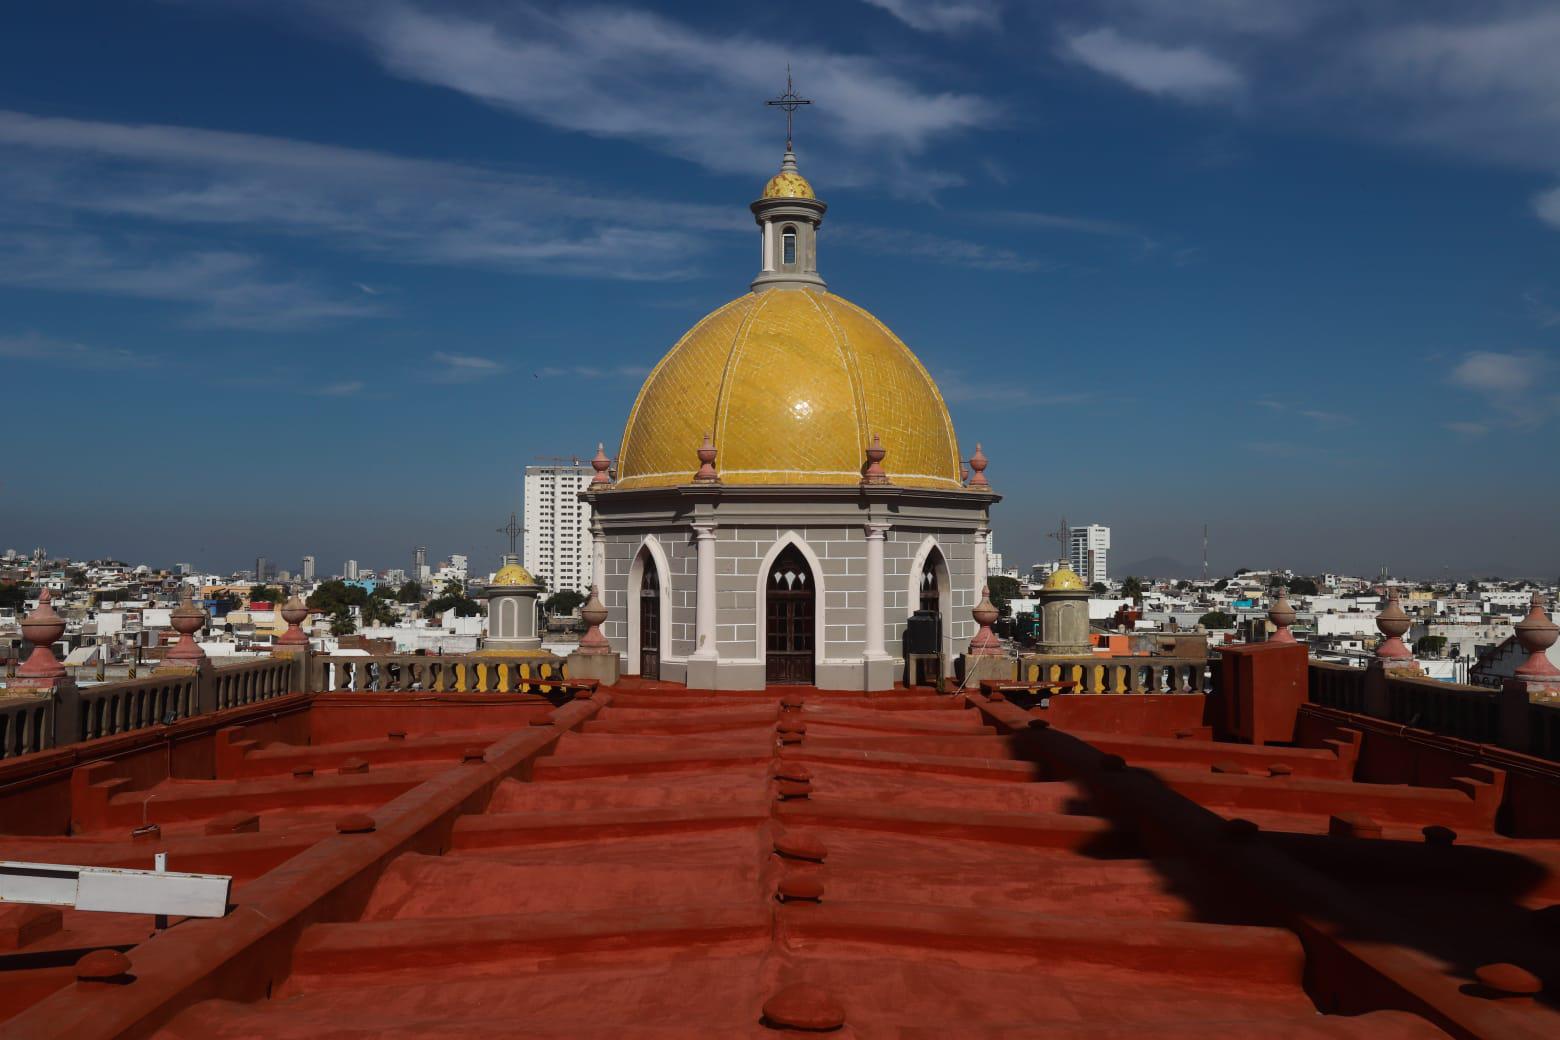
(788, 214)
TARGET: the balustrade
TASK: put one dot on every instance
(1468, 712)
(1337, 686)
(1122, 675)
(440, 674)
(120, 707)
(26, 725)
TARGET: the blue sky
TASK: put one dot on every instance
(300, 276)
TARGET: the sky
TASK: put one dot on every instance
(299, 276)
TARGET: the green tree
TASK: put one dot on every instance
(266, 594)
(1099, 588)
(1221, 585)
(341, 623)
(409, 592)
(378, 611)
(12, 595)
(1132, 589)
(1003, 590)
(566, 602)
(1217, 619)
(1302, 587)
(335, 595)
(1430, 646)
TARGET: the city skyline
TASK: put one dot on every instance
(1322, 323)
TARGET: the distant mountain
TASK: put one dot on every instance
(1156, 567)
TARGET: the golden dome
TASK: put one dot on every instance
(1063, 580)
(513, 574)
(793, 383)
(788, 184)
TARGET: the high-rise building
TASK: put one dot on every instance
(1090, 550)
(557, 526)
(262, 568)
(350, 571)
(308, 568)
(420, 563)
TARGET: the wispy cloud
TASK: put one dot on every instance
(462, 368)
(997, 393)
(31, 346)
(936, 249)
(943, 16)
(1320, 416)
(1515, 386)
(574, 66)
(1467, 429)
(1184, 72)
(592, 372)
(349, 388)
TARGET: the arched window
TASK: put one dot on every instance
(788, 244)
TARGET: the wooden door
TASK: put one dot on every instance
(790, 602)
(650, 621)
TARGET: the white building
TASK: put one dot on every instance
(1090, 548)
(350, 572)
(557, 526)
(308, 568)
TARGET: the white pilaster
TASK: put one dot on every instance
(704, 605)
(769, 245)
(981, 536)
(875, 591)
(598, 559)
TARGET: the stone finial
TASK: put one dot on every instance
(594, 613)
(707, 472)
(41, 628)
(1282, 615)
(985, 642)
(294, 612)
(1393, 623)
(186, 619)
(978, 467)
(1536, 633)
(873, 472)
(601, 464)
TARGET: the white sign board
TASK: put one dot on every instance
(115, 889)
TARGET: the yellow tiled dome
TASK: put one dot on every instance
(788, 184)
(1063, 579)
(513, 574)
(792, 384)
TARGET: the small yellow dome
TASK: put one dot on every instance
(788, 184)
(792, 384)
(513, 574)
(1063, 580)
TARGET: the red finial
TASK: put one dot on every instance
(873, 472)
(1393, 623)
(1537, 633)
(293, 612)
(41, 628)
(707, 472)
(978, 465)
(600, 463)
(1282, 615)
(594, 613)
(985, 642)
(186, 619)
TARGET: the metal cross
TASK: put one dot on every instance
(790, 102)
(1063, 536)
(513, 530)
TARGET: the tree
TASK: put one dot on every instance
(12, 595)
(377, 611)
(1217, 619)
(1430, 646)
(335, 595)
(1132, 589)
(566, 602)
(1242, 570)
(1302, 587)
(409, 592)
(1002, 590)
(341, 623)
(1221, 585)
(1183, 585)
(265, 594)
(1099, 588)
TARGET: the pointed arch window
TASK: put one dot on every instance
(788, 244)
